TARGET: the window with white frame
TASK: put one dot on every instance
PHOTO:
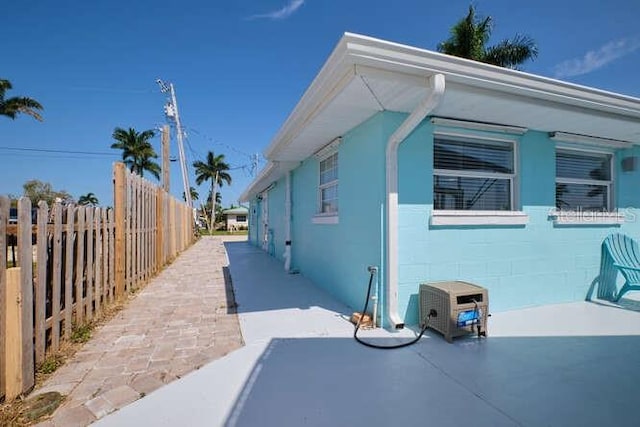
(473, 174)
(328, 185)
(583, 181)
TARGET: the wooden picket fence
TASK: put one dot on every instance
(84, 260)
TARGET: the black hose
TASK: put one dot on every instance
(384, 347)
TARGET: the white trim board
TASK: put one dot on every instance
(462, 217)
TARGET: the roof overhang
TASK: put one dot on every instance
(364, 75)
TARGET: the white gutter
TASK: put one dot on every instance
(428, 104)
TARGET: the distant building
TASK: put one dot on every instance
(236, 218)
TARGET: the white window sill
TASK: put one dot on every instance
(325, 219)
(453, 217)
(586, 218)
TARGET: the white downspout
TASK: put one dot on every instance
(431, 101)
(265, 220)
(287, 224)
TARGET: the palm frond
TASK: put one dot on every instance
(469, 37)
(511, 53)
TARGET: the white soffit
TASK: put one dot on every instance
(350, 107)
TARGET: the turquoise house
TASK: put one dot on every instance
(433, 167)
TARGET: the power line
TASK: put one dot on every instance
(53, 156)
(214, 141)
(108, 89)
(51, 150)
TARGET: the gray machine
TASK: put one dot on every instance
(454, 308)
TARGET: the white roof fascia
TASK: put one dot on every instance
(356, 54)
(397, 57)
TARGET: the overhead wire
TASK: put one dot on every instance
(58, 151)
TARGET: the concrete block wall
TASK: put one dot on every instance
(538, 263)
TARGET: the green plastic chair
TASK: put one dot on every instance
(620, 253)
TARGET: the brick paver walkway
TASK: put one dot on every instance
(176, 324)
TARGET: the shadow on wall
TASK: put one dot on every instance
(585, 381)
(276, 289)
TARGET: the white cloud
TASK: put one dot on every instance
(282, 13)
(598, 58)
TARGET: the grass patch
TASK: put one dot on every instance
(81, 334)
(51, 363)
(29, 411)
(224, 233)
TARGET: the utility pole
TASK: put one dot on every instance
(212, 224)
(171, 110)
(165, 158)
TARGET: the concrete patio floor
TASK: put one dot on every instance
(562, 365)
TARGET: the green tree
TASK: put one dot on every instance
(37, 190)
(11, 107)
(469, 38)
(88, 199)
(214, 169)
(137, 151)
(193, 192)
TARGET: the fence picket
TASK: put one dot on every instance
(68, 271)
(57, 273)
(89, 263)
(98, 262)
(42, 241)
(138, 235)
(80, 233)
(105, 258)
(112, 257)
(129, 233)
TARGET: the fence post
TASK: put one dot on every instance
(26, 289)
(13, 355)
(119, 212)
(4, 216)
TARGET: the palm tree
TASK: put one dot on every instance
(137, 151)
(88, 199)
(469, 38)
(11, 107)
(216, 170)
(193, 192)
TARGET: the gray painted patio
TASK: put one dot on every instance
(562, 365)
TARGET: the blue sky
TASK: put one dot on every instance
(239, 68)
